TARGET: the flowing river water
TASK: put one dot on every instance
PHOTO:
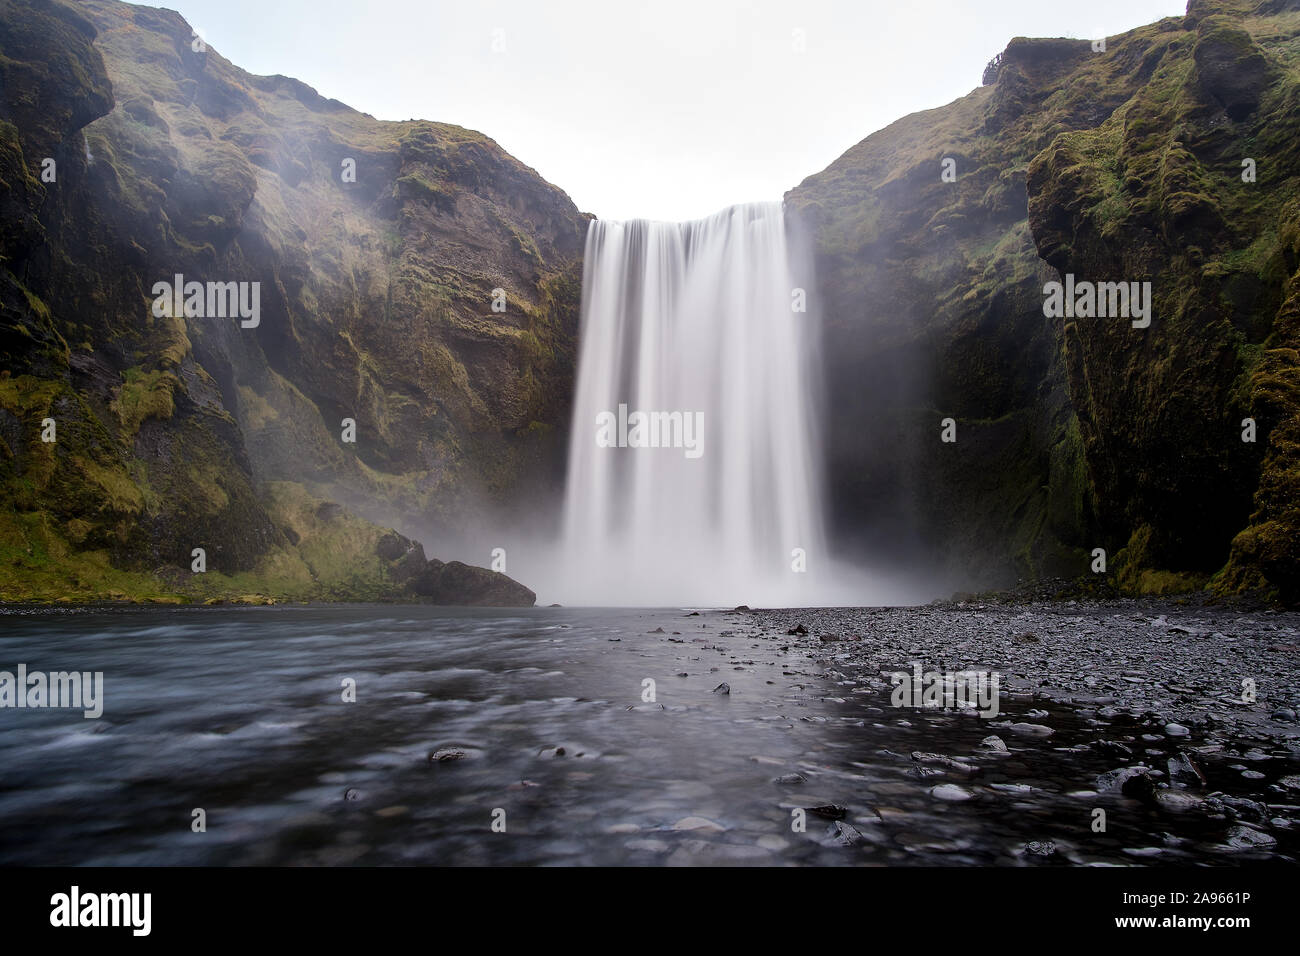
(542, 720)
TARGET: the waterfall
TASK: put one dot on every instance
(692, 340)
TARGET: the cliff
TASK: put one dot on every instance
(1123, 164)
(372, 254)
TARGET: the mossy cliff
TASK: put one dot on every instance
(1122, 164)
(130, 154)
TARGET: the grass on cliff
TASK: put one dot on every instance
(334, 559)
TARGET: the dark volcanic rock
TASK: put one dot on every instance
(454, 583)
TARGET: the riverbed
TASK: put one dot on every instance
(379, 735)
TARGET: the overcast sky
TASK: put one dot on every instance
(664, 110)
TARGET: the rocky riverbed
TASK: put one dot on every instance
(1193, 709)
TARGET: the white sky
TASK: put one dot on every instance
(666, 110)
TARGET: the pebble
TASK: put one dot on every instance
(845, 834)
(446, 755)
(1176, 801)
(698, 823)
(1036, 730)
(1248, 838)
(950, 792)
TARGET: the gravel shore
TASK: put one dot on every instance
(1185, 710)
(1150, 660)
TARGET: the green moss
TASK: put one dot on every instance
(419, 186)
(144, 395)
(119, 490)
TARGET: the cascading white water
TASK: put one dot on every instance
(697, 318)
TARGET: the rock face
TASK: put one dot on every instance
(457, 583)
(1078, 433)
(379, 251)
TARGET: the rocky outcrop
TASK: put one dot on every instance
(457, 583)
(417, 291)
(1081, 433)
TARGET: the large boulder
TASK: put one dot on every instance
(455, 583)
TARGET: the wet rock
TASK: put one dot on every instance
(845, 834)
(1135, 782)
(1144, 851)
(993, 744)
(1238, 808)
(1291, 782)
(1018, 788)
(723, 688)
(1033, 730)
(698, 824)
(1283, 713)
(1043, 848)
(446, 755)
(1176, 730)
(790, 779)
(1113, 748)
(457, 583)
(950, 763)
(1244, 837)
(1183, 770)
(925, 773)
(950, 792)
(830, 811)
(797, 631)
(1178, 801)
(657, 630)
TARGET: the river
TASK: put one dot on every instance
(552, 751)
